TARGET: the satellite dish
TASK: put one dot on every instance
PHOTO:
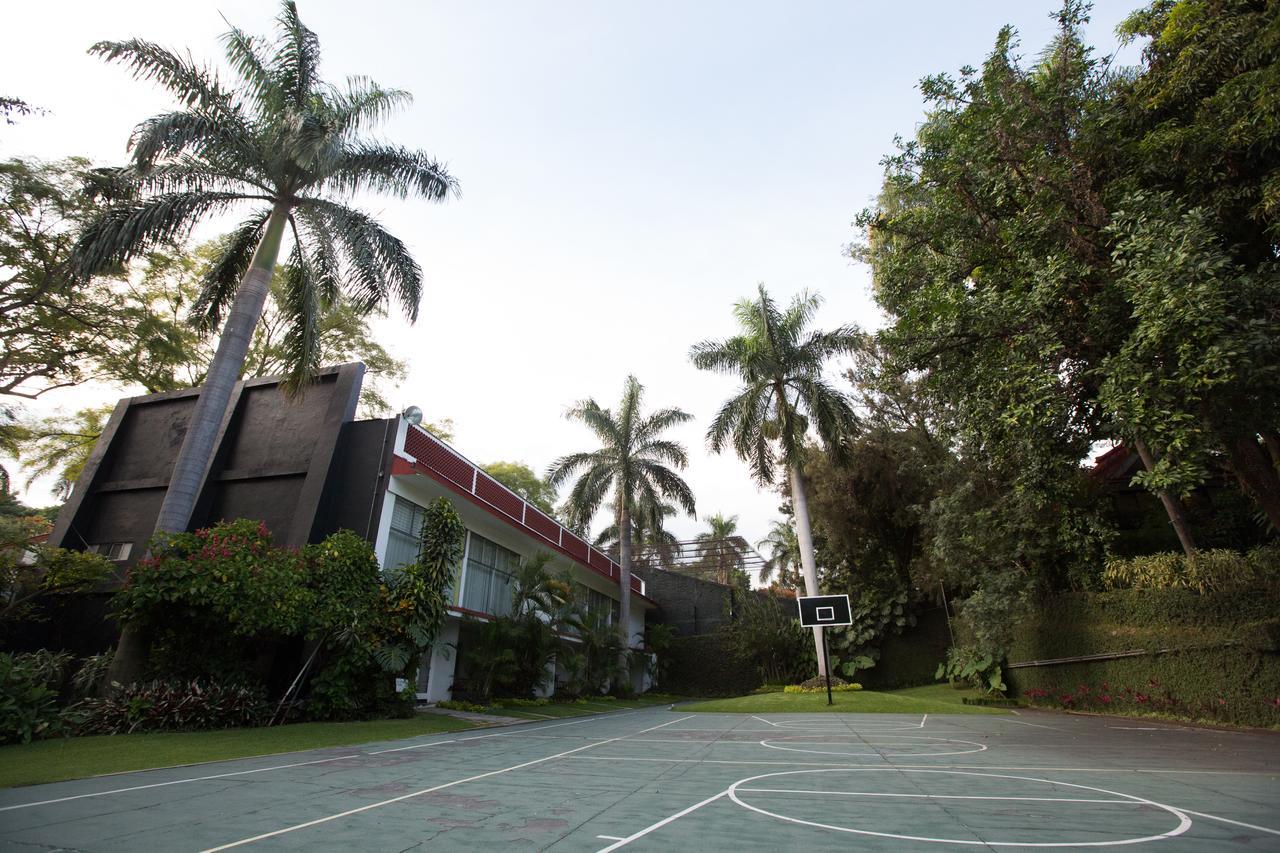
(412, 414)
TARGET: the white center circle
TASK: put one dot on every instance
(753, 785)
(915, 746)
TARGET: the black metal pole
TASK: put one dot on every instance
(826, 664)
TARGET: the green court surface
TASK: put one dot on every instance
(657, 779)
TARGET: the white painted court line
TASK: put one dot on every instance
(430, 790)
(1025, 723)
(1233, 822)
(933, 766)
(623, 842)
(180, 781)
(494, 734)
(609, 837)
(922, 719)
(927, 796)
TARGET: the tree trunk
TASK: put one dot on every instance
(202, 430)
(1171, 505)
(624, 581)
(1255, 470)
(196, 452)
(808, 565)
(1272, 440)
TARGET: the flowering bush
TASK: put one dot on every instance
(159, 706)
(835, 688)
(1151, 697)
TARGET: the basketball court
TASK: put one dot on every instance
(659, 779)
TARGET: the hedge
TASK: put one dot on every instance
(1221, 665)
(705, 666)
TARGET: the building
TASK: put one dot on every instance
(307, 468)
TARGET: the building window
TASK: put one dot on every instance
(600, 609)
(490, 568)
(116, 551)
(403, 542)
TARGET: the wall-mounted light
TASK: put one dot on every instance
(412, 414)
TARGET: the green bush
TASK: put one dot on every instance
(28, 704)
(1208, 571)
(835, 688)
(458, 705)
(159, 706)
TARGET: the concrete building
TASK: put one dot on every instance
(307, 468)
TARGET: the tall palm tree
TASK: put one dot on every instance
(783, 395)
(629, 469)
(287, 145)
(722, 551)
(782, 551)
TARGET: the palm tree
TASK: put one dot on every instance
(722, 551)
(783, 550)
(631, 465)
(783, 395)
(657, 544)
(288, 145)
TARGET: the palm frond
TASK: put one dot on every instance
(195, 131)
(378, 266)
(126, 230)
(245, 55)
(388, 169)
(219, 283)
(299, 304)
(363, 104)
(297, 59)
(190, 83)
(566, 466)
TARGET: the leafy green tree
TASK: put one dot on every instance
(784, 396)
(521, 479)
(722, 551)
(634, 464)
(52, 327)
(288, 145)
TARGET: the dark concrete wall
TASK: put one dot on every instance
(691, 606)
(274, 462)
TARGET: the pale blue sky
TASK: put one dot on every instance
(628, 172)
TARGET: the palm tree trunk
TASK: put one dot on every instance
(808, 565)
(1171, 505)
(132, 651)
(202, 430)
(624, 579)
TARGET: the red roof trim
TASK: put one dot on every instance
(428, 446)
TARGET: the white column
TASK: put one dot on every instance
(443, 659)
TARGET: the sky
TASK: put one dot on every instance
(628, 172)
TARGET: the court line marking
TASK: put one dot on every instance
(931, 766)
(623, 842)
(1184, 822)
(928, 796)
(1235, 822)
(213, 776)
(496, 734)
(430, 790)
(876, 748)
(609, 837)
(1025, 723)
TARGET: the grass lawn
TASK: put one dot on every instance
(579, 709)
(931, 699)
(76, 758)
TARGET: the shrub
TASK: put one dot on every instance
(522, 703)
(90, 674)
(1208, 571)
(459, 705)
(843, 687)
(160, 706)
(28, 705)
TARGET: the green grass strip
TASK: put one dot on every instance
(932, 699)
(75, 758)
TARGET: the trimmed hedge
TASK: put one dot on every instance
(1224, 666)
(706, 666)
